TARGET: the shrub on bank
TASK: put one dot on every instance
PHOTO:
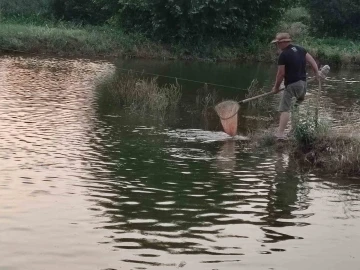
(335, 18)
(26, 7)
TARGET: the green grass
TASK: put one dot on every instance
(39, 33)
(67, 39)
(39, 36)
(340, 52)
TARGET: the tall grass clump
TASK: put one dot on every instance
(306, 128)
(335, 154)
(141, 94)
(206, 99)
(318, 144)
(254, 90)
(315, 143)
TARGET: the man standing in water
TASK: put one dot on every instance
(291, 69)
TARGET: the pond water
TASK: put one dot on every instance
(87, 185)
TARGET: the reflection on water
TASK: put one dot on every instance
(226, 159)
(84, 185)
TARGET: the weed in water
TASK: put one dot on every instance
(305, 127)
(206, 99)
(140, 94)
(253, 90)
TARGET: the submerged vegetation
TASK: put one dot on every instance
(141, 95)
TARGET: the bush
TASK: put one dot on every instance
(82, 11)
(25, 7)
(335, 18)
(185, 20)
(307, 128)
(297, 14)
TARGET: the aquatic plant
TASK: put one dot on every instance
(206, 99)
(253, 90)
(141, 94)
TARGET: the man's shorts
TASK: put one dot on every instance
(297, 90)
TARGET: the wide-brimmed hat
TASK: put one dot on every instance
(282, 37)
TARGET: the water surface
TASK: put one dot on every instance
(86, 185)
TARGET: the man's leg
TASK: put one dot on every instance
(299, 91)
(284, 119)
(284, 109)
(295, 112)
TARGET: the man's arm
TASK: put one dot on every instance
(313, 64)
(279, 78)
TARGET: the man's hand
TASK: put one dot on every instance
(275, 90)
(319, 76)
(279, 78)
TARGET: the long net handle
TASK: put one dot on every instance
(259, 96)
(318, 105)
(256, 97)
(322, 71)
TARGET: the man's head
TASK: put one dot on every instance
(282, 40)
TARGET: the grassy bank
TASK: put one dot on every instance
(34, 35)
(315, 143)
(332, 153)
(71, 40)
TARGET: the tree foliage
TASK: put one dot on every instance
(82, 11)
(184, 19)
(336, 17)
(25, 7)
(174, 20)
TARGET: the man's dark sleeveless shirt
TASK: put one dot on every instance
(294, 59)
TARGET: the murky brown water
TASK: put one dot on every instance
(84, 185)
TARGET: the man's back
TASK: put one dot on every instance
(294, 59)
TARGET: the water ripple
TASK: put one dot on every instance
(85, 185)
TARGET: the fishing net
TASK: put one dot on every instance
(228, 109)
(228, 113)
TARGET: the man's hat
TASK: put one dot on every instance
(282, 37)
